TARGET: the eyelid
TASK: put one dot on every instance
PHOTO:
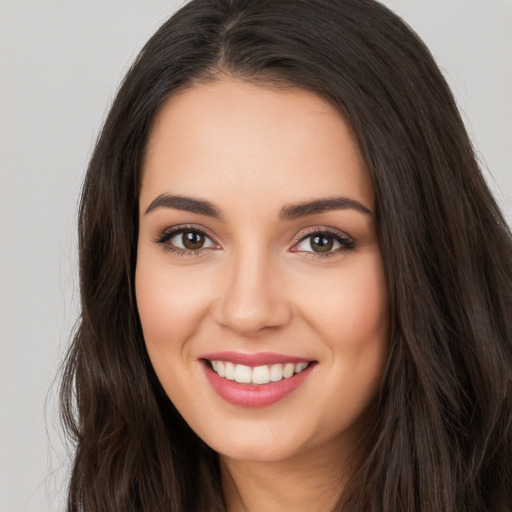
(322, 229)
(346, 241)
(167, 234)
(179, 228)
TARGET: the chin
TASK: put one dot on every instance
(259, 443)
(257, 452)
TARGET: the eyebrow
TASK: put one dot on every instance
(289, 212)
(295, 211)
(187, 204)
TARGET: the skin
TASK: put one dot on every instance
(259, 286)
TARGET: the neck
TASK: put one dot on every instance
(304, 482)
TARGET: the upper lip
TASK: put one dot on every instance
(254, 359)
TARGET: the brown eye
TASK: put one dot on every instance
(185, 241)
(322, 243)
(192, 240)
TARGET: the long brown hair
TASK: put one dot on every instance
(442, 440)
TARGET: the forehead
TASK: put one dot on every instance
(232, 137)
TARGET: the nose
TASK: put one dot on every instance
(252, 299)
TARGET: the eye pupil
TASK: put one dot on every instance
(322, 243)
(192, 240)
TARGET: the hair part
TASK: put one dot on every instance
(442, 439)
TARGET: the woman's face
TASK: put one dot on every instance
(259, 277)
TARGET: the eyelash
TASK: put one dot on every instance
(346, 242)
(170, 233)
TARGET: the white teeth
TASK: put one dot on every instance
(230, 371)
(301, 366)
(221, 368)
(256, 375)
(260, 375)
(288, 370)
(276, 372)
(243, 374)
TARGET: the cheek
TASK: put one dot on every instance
(353, 325)
(363, 311)
(171, 307)
(350, 307)
(359, 336)
(170, 302)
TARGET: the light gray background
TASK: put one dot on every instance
(60, 64)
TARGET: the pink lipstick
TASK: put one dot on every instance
(255, 380)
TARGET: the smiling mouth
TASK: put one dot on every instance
(257, 375)
(255, 380)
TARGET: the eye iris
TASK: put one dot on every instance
(322, 243)
(192, 240)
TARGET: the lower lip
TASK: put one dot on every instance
(254, 395)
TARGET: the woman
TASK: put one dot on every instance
(296, 286)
